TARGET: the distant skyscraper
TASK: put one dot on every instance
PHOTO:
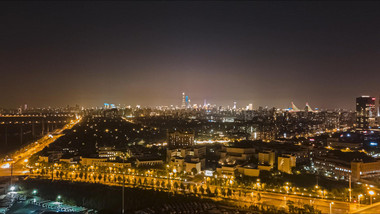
(365, 112)
(234, 104)
(179, 139)
(183, 100)
(378, 108)
(187, 100)
(250, 107)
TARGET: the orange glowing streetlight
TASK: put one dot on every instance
(371, 193)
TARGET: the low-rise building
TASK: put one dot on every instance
(43, 159)
(191, 165)
(226, 170)
(178, 157)
(179, 139)
(148, 161)
(365, 170)
(249, 170)
(115, 164)
(286, 162)
(342, 165)
(235, 155)
(267, 159)
(92, 161)
(109, 152)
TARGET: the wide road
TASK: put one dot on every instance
(374, 208)
(21, 157)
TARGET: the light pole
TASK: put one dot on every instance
(349, 188)
(122, 197)
(371, 193)
(11, 174)
(359, 196)
(331, 203)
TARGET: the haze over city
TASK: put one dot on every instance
(189, 107)
(148, 53)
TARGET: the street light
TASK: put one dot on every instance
(331, 207)
(59, 198)
(34, 192)
(371, 193)
(359, 196)
(12, 188)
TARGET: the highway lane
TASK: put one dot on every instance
(374, 208)
(19, 159)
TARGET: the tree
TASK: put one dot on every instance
(175, 186)
(208, 191)
(139, 181)
(216, 192)
(182, 186)
(224, 192)
(145, 181)
(194, 171)
(202, 190)
(229, 192)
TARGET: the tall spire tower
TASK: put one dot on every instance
(183, 100)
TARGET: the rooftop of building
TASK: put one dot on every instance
(349, 156)
(249, 165)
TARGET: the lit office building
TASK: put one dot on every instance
(365, 112)
(180, 139)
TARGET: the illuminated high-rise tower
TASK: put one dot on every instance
(183, 100)
(187, 101)
(378, 108)
(365, 112)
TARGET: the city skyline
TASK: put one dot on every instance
(267, 54)
(185, 102)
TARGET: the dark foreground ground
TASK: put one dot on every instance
(107, 199)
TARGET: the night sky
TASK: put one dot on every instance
(264, 53)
